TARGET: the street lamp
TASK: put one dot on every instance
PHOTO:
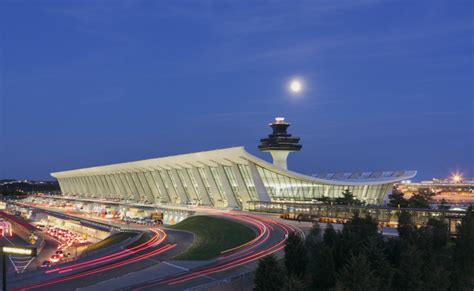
(457, 178)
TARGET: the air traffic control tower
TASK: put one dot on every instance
(280, 143)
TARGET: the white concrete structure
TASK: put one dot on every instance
(220, 178)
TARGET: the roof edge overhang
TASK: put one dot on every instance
(235, 154)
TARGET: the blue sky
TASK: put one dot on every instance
(388, 84)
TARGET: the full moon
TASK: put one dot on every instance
(296, 86)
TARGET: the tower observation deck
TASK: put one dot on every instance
(280, 143)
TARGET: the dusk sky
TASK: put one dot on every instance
(388, 85)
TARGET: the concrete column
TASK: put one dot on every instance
(65, 188)
(153, 186)
(113, 184)
(259, 186)
(83, 187)
(214, 189)
(122, 193)
(100, 187)
(243, 190)
(165, 195)
(95, 191)
(82, 190)
(75, 186)
(123, 181)
(206, 200)
(61, 185)
(141, 190)
(231, 199)
(90, 188)
(192, 192)
(171, 190)
(179, 184)
(146, 187)
(105, 186)
(133, 187)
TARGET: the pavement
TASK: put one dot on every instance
(161, 272)
(71, 281)
(179, 275)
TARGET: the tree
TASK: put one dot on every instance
(293, 283)
(422, 199)
(438, 232)
(330, 235)
(397, 199)
(443, 205)
(406, 228)
(269, 275)
(409, 272)
(357, 275)
(374, 250)
(313, 238)
(348, 199)
(324, 200)
(463, 255)
(323, 269)
(295, 255)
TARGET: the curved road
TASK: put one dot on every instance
(147, 266)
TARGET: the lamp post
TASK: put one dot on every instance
(13, 250)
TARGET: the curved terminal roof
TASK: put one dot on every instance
(240, 156)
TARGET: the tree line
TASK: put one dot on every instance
(15, 188)
(359, 258)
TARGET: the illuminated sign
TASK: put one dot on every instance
(20, 251)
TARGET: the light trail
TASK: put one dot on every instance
(152, 242)
(245, 254)
(102, 269)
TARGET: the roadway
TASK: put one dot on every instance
(271, 239)
(151, 266)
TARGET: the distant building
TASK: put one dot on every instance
(455, 190)
(224, 178)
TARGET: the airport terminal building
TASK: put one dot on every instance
(224, 178)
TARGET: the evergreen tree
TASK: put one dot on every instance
(397, 199)
(374, 250)
(295, 255)
(422, 199)
(269, 275)
(348, 199)
(463, 256)
(438, 232)
(443, 205)
(357, 275)
(409, 272)
(323, 270)
(313, 238)
(406, 228)
(293, 283)
(330, 235)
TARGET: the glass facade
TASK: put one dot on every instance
(281, 187)
(233, 182)
(217, 179)
(247, 177)
(183, 182)
(194, 182)
(206, 184)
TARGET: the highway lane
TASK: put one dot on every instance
(271, 240)
(166, 274)
(176, 275)
(91, 271)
